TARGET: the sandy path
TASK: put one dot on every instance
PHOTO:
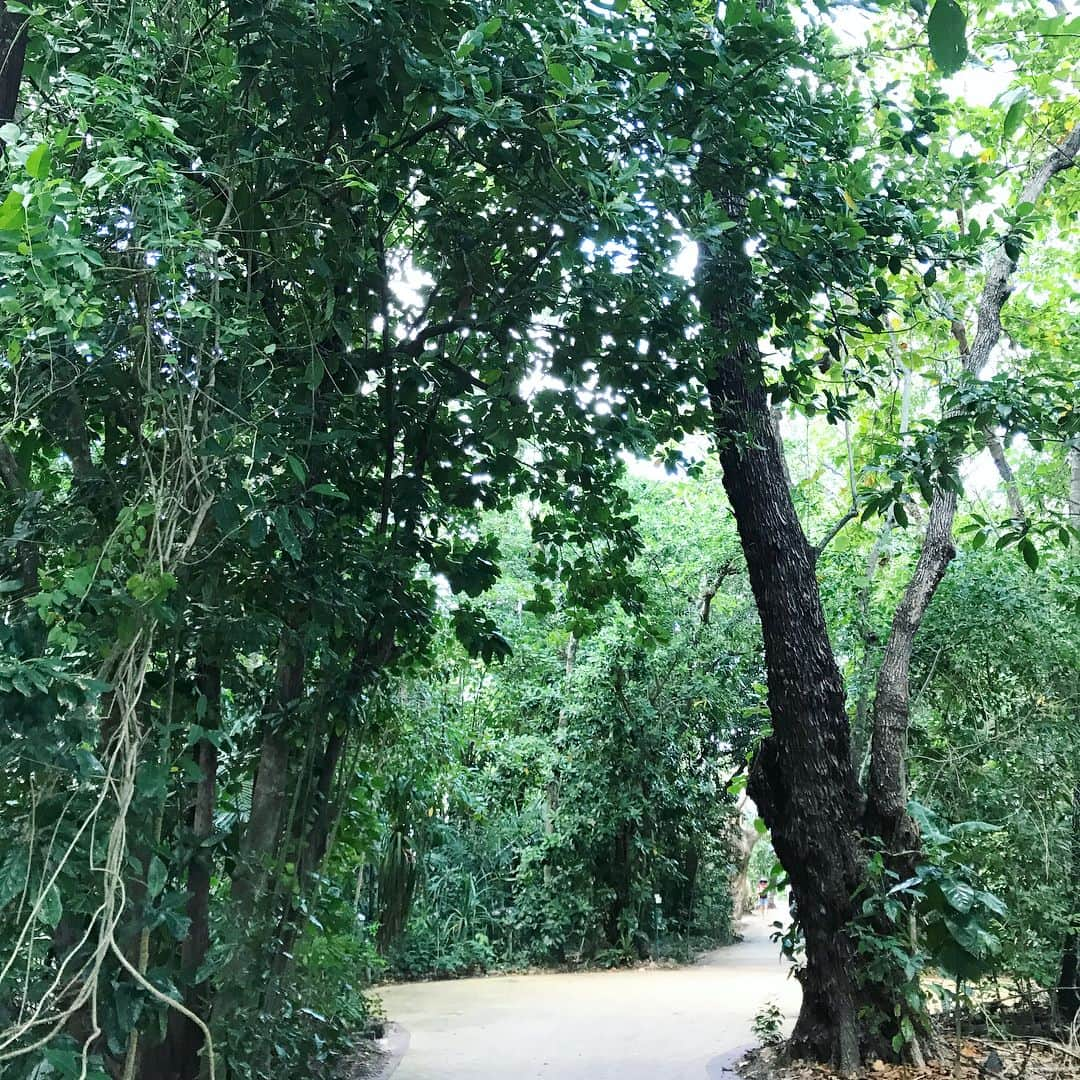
(646, 1024)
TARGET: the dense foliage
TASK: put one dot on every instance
(372, 598)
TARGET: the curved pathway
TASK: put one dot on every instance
(685, 1023)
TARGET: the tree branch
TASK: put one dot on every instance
(831, 535)
(712, 589)
(1008, 477)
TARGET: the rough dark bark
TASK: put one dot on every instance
(12, 57)
(887, 815)
(802, 779)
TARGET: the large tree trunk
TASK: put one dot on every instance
(802, 779)
(887, 814)
(260, 841)
(12, 56)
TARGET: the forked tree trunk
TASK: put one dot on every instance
(802, 779)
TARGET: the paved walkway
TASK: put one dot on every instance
(682, 1023)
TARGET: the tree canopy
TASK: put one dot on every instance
(453, 452)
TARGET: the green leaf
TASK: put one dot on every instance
(1014, 117)
(94, 176)
(469, 43)
(658, 80)
(331, 491)
(297, 467)
(314, 372)
(947, 29)
(12, 875)
(286, 533)
(155, 877)
(52, 907)
(992, 903)
(12, 214)
(959, 894)
(39, 162)
(1030, 553)
(257, 531)
(88, 764)
(561, 74)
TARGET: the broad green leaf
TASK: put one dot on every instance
(12, 213)
(959, 894)
(257, 531)
(39, 162)
(283, 526)
(52, 907)
(12, 874)
(297, 467)
(560, 73)
(1014, 117)
(947, 30)
(314, 373)
(156, 877)
(1030, 553)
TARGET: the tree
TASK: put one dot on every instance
(816, 811)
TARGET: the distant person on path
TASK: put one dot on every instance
(763, 895)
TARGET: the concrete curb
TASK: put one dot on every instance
(394, 1044)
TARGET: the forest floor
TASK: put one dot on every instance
(647, 1023)
(1002, 1058)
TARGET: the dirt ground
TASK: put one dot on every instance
(643, 1024)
